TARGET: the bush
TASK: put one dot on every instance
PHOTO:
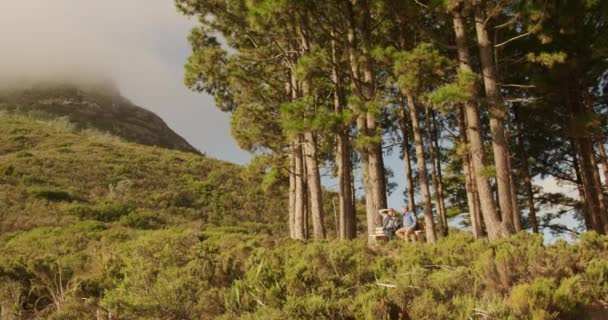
(51, 195)
(534, 299)
(104, 212)
(142, 220)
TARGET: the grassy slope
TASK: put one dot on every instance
(53, 175)
(93, 226)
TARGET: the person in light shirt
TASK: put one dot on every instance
(407, 224)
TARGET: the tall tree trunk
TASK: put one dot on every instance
(346, 226)
(472, 201)
(478, 212)
(530, 197)
(409, 179)
(595, 160)
(369, 194)
(315, 191)
(493, 225)
(435, 138)
(347, 222)
(602, 157)
(292, 191)
(525, 170)
(300, 198)
(591, 199)
(314, 185)
(376, 162)
(306, 197)
(371, 158)
(585, 156)
(354, 76)
(586, 208)
(361, 124)
(290, 93)
(353, 191)
(515, 205)
(429, 136)
(422, 175)
(512, 177)
(497, 118)
(597, 184)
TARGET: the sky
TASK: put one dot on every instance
(141, 45)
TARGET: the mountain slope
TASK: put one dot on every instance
(92, 227)
(100, 107)
(52, 174)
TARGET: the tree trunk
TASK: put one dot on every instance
(512, 176)
(291, 168)
(300, 198)
(422, 175)
(292, 191)
(347, 213)
(371, 158)
(497, 118)
(346, 221)
(369, 195)
(586, 156)
(443, 228)
(603, 159)
(361, 125)
(353, 191)
(478, 213)
(315, 191)
(493, 225)
(597, 184)
(515, 205)
(595, 136)
(409, 179)
(591, 199)
(376, 162)
(525, 170)
(306, 198)
(314, 185)
(528, 187)
(435, 137)
(476, 226)
(581, 189)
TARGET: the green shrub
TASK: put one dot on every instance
(141, 220)
(534, 299)
(51, 195)
(105, 212)
(596, 276)
(426, 307)
(8, 170)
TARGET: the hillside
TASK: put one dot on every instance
(92, 227)
(98, 106)
(52, 174)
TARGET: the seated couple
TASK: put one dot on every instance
(402, 227)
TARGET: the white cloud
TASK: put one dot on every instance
(141, 44)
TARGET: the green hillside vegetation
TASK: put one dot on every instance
(52, 174)
(97, 228)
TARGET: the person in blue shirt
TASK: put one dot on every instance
(407, 224)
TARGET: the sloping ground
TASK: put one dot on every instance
(99, 107)
(96, 228)
(51, 174)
